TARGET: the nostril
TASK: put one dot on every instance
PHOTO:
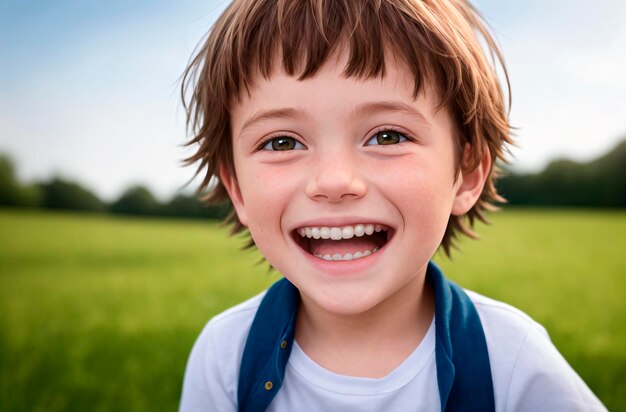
(335, 199)
(336, 196)
(333, 186)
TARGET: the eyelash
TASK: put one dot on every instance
(394, 129)
(269, 140)
(373, 135)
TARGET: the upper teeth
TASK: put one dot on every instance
(337, 233)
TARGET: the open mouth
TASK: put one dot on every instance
(342, 243)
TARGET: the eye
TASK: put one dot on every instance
(282, 143)
(386, 137)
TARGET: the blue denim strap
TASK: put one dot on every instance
(463, 368)
(268, 347)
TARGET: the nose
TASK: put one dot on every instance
(336, 177)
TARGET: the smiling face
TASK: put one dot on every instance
(346, 185)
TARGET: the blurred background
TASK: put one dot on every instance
(109, 266)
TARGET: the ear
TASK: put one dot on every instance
(232, 187)
(471, 182)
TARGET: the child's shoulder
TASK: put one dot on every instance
(504, 317)
(528, 371)
(213, 367)
(228, 330)
(507, 331)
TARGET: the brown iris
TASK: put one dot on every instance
(388, 137)
(283, 143)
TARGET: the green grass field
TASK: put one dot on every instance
(99, 313)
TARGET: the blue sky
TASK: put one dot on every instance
(89, 90)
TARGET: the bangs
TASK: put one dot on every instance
(300, 37)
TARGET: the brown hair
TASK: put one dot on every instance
(438, 40)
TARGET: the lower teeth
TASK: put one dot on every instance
(347, 256)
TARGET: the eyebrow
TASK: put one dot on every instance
(285, 113)
(369, 109)
(362, 110)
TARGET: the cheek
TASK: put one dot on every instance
(266, 192)
(416, 180)
(422, 191)
(260, 183)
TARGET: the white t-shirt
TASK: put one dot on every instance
(528, 372)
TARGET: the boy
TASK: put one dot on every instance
(352, 138)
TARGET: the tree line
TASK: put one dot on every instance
(61, 194)
(598, 183)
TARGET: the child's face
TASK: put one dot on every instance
(340, 153)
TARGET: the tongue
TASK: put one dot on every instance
(342, 247)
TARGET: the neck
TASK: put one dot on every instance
(371, 343)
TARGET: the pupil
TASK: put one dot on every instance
(388, 137)
(283, 143)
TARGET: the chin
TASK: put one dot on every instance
(345, 303)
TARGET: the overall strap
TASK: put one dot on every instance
(268, 347)
(463, 369)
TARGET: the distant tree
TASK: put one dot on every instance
(137, 200)
(60, 194)
(599, 183)
(12, 193)
(9, 188)
(190, 206)
(517, 189)
(30, 195)
(184, 206)
(610, 169)
(564, 183)
(219, 211)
